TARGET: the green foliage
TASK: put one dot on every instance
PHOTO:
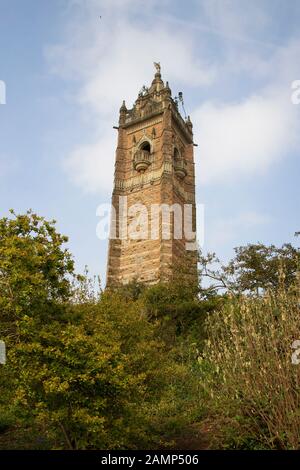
(88, 368)
(181, 316)
(34, 284)
(85, 379)
(33, 268)
(131, 291)
(247, 369)
(254, 269)
(6, 419)
(257, 267)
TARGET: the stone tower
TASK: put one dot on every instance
(154, 171)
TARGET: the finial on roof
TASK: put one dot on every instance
(168, 89)
(123, 107)
(189, 124)
(123, 111)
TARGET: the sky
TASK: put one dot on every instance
(66, 72)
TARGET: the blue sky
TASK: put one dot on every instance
(67, 71)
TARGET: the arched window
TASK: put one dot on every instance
(146, 146)
(176, 154)
(142, 157)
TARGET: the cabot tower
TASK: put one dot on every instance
(154, 170)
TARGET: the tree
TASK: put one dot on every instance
(35, 274)
(258, 267)
(34, 268)
(87, 382)
(255, 267)
(214, 274)
(86, 368)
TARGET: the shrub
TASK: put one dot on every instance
(247, 369)
(86, 379)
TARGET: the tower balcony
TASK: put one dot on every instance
(142, 160)
(180, 168)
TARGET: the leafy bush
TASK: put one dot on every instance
(247, 369)
(90, 379)
(6, 419)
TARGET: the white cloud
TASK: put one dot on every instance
(91, 166)
(129, 64)
(114, 62)
(246, 138)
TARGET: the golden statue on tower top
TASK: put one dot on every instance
(157, 66)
